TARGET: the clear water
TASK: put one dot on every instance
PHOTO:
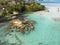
(51, 5)
(47, 32)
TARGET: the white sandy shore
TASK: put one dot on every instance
(52, 11)
(50, 15)
(53, 16)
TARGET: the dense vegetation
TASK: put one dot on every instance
(19, 6)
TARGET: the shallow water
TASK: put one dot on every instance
(47, 32)
(52, 7)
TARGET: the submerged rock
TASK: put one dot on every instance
(56, 19)
(22, 26)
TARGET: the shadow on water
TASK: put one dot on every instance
(7, 19)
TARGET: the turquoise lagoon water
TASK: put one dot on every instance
(51, 5)
(47, 32)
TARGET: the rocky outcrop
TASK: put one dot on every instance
(22, 26)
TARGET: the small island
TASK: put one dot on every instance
(12, 11)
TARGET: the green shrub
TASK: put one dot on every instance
(21, 7)
(31, 7)
(18, 8)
